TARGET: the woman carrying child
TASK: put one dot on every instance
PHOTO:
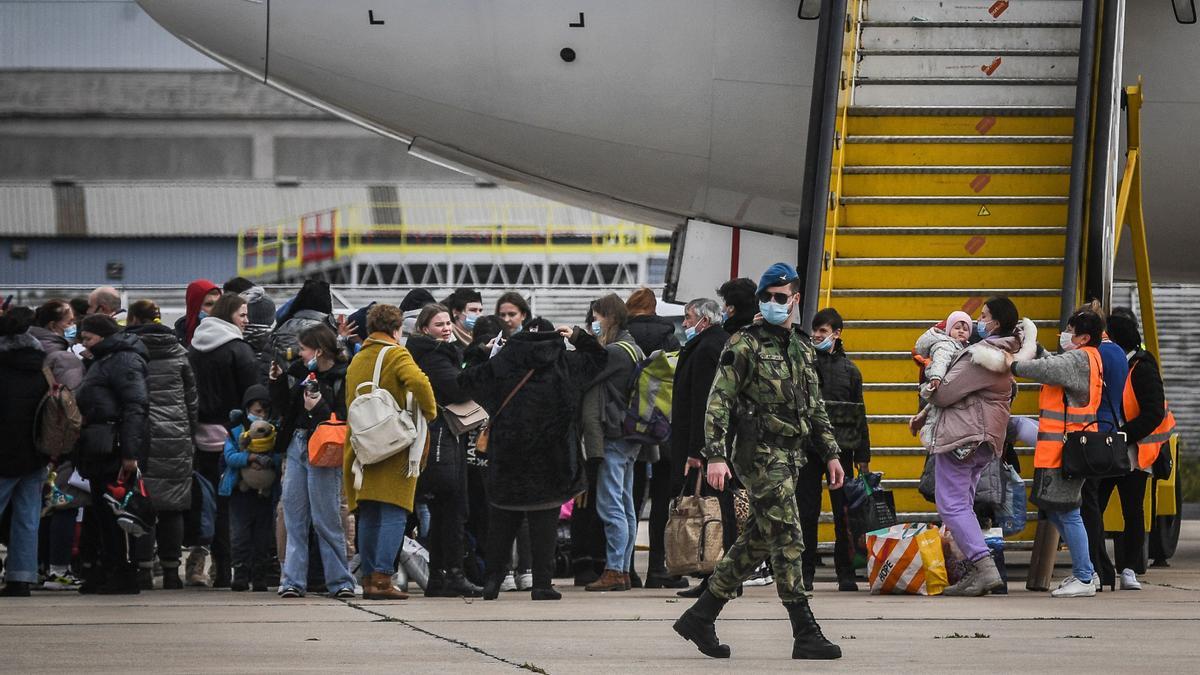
(966, 431)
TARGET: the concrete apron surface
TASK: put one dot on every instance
(1153, 630)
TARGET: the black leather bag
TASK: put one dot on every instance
(1094, 454)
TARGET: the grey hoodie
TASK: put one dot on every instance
(212, 333)
(66, 367)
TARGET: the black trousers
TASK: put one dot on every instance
(543, 530)
(443, 488)
(251, 531)
(587, 531)
(808, 501)
(1130, 545)
(115, 548)
(208, 464)
(658, 477)
(168, 535)
(476, 527)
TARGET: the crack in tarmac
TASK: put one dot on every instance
(458, 643)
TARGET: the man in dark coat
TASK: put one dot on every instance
(115, 407)
(740, 303)
(22, 468)
(842, 389)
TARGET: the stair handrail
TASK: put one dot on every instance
(832, 87)
(1082, 133)
(1102, 190)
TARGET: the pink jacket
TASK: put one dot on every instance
(974, 401)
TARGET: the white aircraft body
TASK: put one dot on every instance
(653, 110)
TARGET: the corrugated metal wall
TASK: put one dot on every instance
(1175, 307)
(145, 261)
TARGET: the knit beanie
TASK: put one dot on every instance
(956, 316)
(100, 325)
(259, 307)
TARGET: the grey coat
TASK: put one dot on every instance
(166, 462)
(66, 367)
(606, 396)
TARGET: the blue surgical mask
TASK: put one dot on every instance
(825, 345)
(469, 321)
(774, 313)
(689, 334)
(201, 315)
(724, 316)
(71, 332)
(251, 419)
(981, 328)
(311, 364)
(597, 329)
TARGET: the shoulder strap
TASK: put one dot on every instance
(513, 393)
(629, 350)
(379, 364)
(49, 375)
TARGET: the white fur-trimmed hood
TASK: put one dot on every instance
(1022, 345)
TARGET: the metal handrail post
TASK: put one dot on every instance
(1079, 153)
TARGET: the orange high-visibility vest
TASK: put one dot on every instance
(1150, 446)
(1057, 420)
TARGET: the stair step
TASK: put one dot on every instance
(896, 304)
(905, 229)
(887, 66)
(852, 244)
(944, 199)
(970, 25)
(1016, 91)
(934, 170)
(942, 35)
(898, 139)
(904, 401)
(983, 211)
(893, 150)
(859, 110)
(967, 51)
(944, 292)
(960, 125)
(974, 185)
(973, 11)
(936, 272)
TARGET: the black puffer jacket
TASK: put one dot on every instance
(22, 386)
(842, 388)
(166, 463)
(534, 458)
(114, 392)
(287, 401)
(440, 361)
(689, 400)
(653, 333)
(224, 366)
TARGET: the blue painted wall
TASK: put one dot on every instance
(147, 261)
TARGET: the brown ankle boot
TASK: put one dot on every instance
(378, 586)
(626, 579)
(611, 580)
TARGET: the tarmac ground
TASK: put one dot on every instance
(1155, 630)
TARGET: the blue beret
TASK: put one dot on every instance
(778, 274)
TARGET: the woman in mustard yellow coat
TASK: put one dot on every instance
(385, 498)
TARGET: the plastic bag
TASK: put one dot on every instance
(906, 559)
(1012, 514)
(414, 559)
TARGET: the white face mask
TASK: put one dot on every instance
(1065, 341)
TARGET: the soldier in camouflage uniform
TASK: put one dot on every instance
(768, 395)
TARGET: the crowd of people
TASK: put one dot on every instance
(202, 454)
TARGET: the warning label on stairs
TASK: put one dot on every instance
(983, 210)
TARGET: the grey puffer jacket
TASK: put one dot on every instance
(166, 461)
(66, 367)
(974, 401)
(935, 345)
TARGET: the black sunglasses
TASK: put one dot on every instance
(779, 298)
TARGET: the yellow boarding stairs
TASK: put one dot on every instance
(950, 184)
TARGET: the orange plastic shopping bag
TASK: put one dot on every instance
(906, 559)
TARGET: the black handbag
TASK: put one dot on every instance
(1094, 454)
(875, 511)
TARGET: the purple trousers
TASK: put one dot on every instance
(954, 492)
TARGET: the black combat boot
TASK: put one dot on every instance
(698, 624)
(457, 586)
(809, 642)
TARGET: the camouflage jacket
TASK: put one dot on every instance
(767, 388)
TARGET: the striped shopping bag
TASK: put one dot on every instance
(906, 559)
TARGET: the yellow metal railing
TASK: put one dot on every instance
(436, 229)
(835, 215)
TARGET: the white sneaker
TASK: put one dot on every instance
(62, 582)
(524, 581)
(1129, 580)
(760, 578)
(509, 583)
(1074, 588)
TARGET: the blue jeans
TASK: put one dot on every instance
(380, 534)
(25, 495)
(1070, 527)
(614, 503)
(312, 496)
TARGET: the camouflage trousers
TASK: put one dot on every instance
(772, 531)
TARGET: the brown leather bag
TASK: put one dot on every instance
(481, 441)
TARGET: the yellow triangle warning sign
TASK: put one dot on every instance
(983, 211)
